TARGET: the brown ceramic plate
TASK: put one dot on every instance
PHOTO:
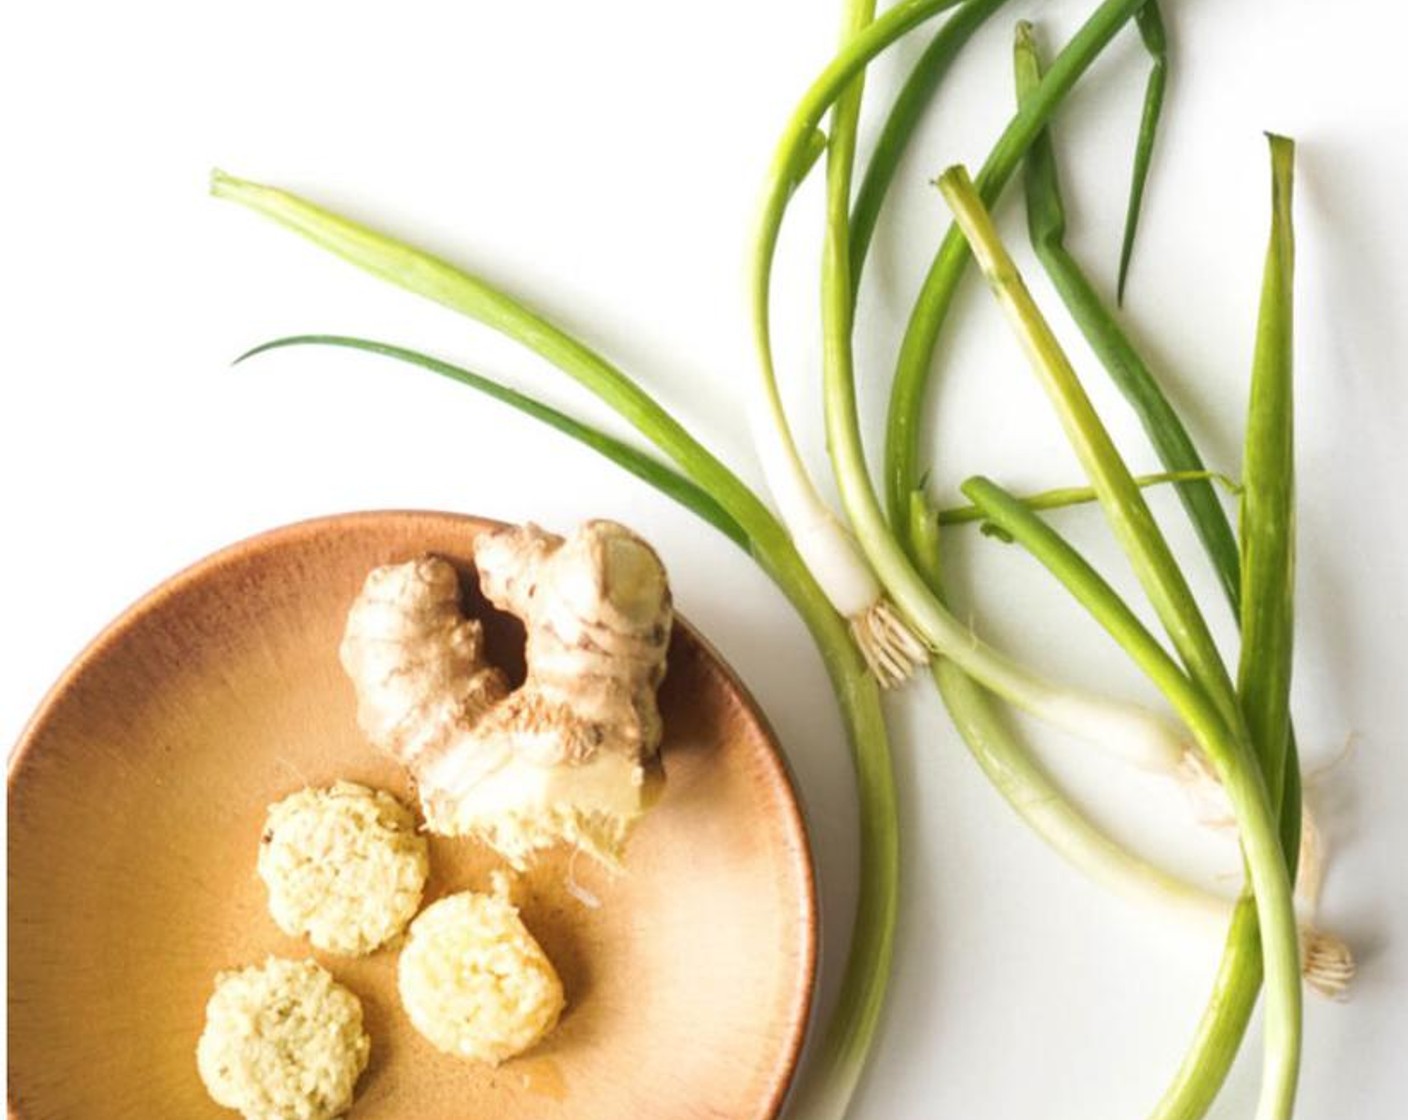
(136, 799)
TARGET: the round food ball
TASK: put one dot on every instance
(344, 865)
(282, 1042)
(475, 982)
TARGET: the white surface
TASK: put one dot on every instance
(603, 160)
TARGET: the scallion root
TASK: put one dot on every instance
(890, 648)
(1205, 793)
(1327, 963)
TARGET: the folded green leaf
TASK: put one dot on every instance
(1267, 522)
(1046, 219)
(1151, 31)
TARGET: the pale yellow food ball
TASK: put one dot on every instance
(282, 1042)
(475, 982)
(344, 866)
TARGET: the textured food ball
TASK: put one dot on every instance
(344, 865)
(282, 1042)
(474, 981)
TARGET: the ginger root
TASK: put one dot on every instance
(561, 759)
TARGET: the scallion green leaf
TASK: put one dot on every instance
(903, 118)
(1046, 220)
(1151, 30)
(1267, 521)
(1066, 496)
(1228, 751)
(433, 278)
(916, 359)
(648, 469)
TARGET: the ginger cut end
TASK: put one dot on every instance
(522, 807)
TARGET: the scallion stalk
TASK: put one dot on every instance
(1327, 962)
(902, 471)
(1066, 496)
(1125, 729)
(429, 276)
(1046, 222)
(1218, 1037)
(1205, 697)
(1132, 375)
(1267, 520)
(1006, 760)
(1176, 449)
(1020, 778)
(1129, 516)
(1134, 378)
(822, 538)
(903, 118)
(1150, 22)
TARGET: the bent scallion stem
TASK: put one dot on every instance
(792, 149)
(1015, 773)
(1007, 762)
(1218, 723)
(1045, 808)
(1150, 22)
(903, 118)
(851, 1029)
(1133, 377)
(1129, 516)
(431, 277)
(902, 453)
(843, 1047)
(1124, 729)
(1013, 770)
(820, 536)
(1066, 496)
(1046, 222)
(891, 649)
(1127, 730)
(1093, 592)
(1219, 1034)
(1225, 1020)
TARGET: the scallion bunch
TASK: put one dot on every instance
(867, 579)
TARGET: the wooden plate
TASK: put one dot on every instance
(136, 800)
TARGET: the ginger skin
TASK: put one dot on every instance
(417, 663)
(596, 609)
(563, 757)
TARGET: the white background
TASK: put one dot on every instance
(602, 160)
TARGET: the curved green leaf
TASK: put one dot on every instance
(648, 469)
